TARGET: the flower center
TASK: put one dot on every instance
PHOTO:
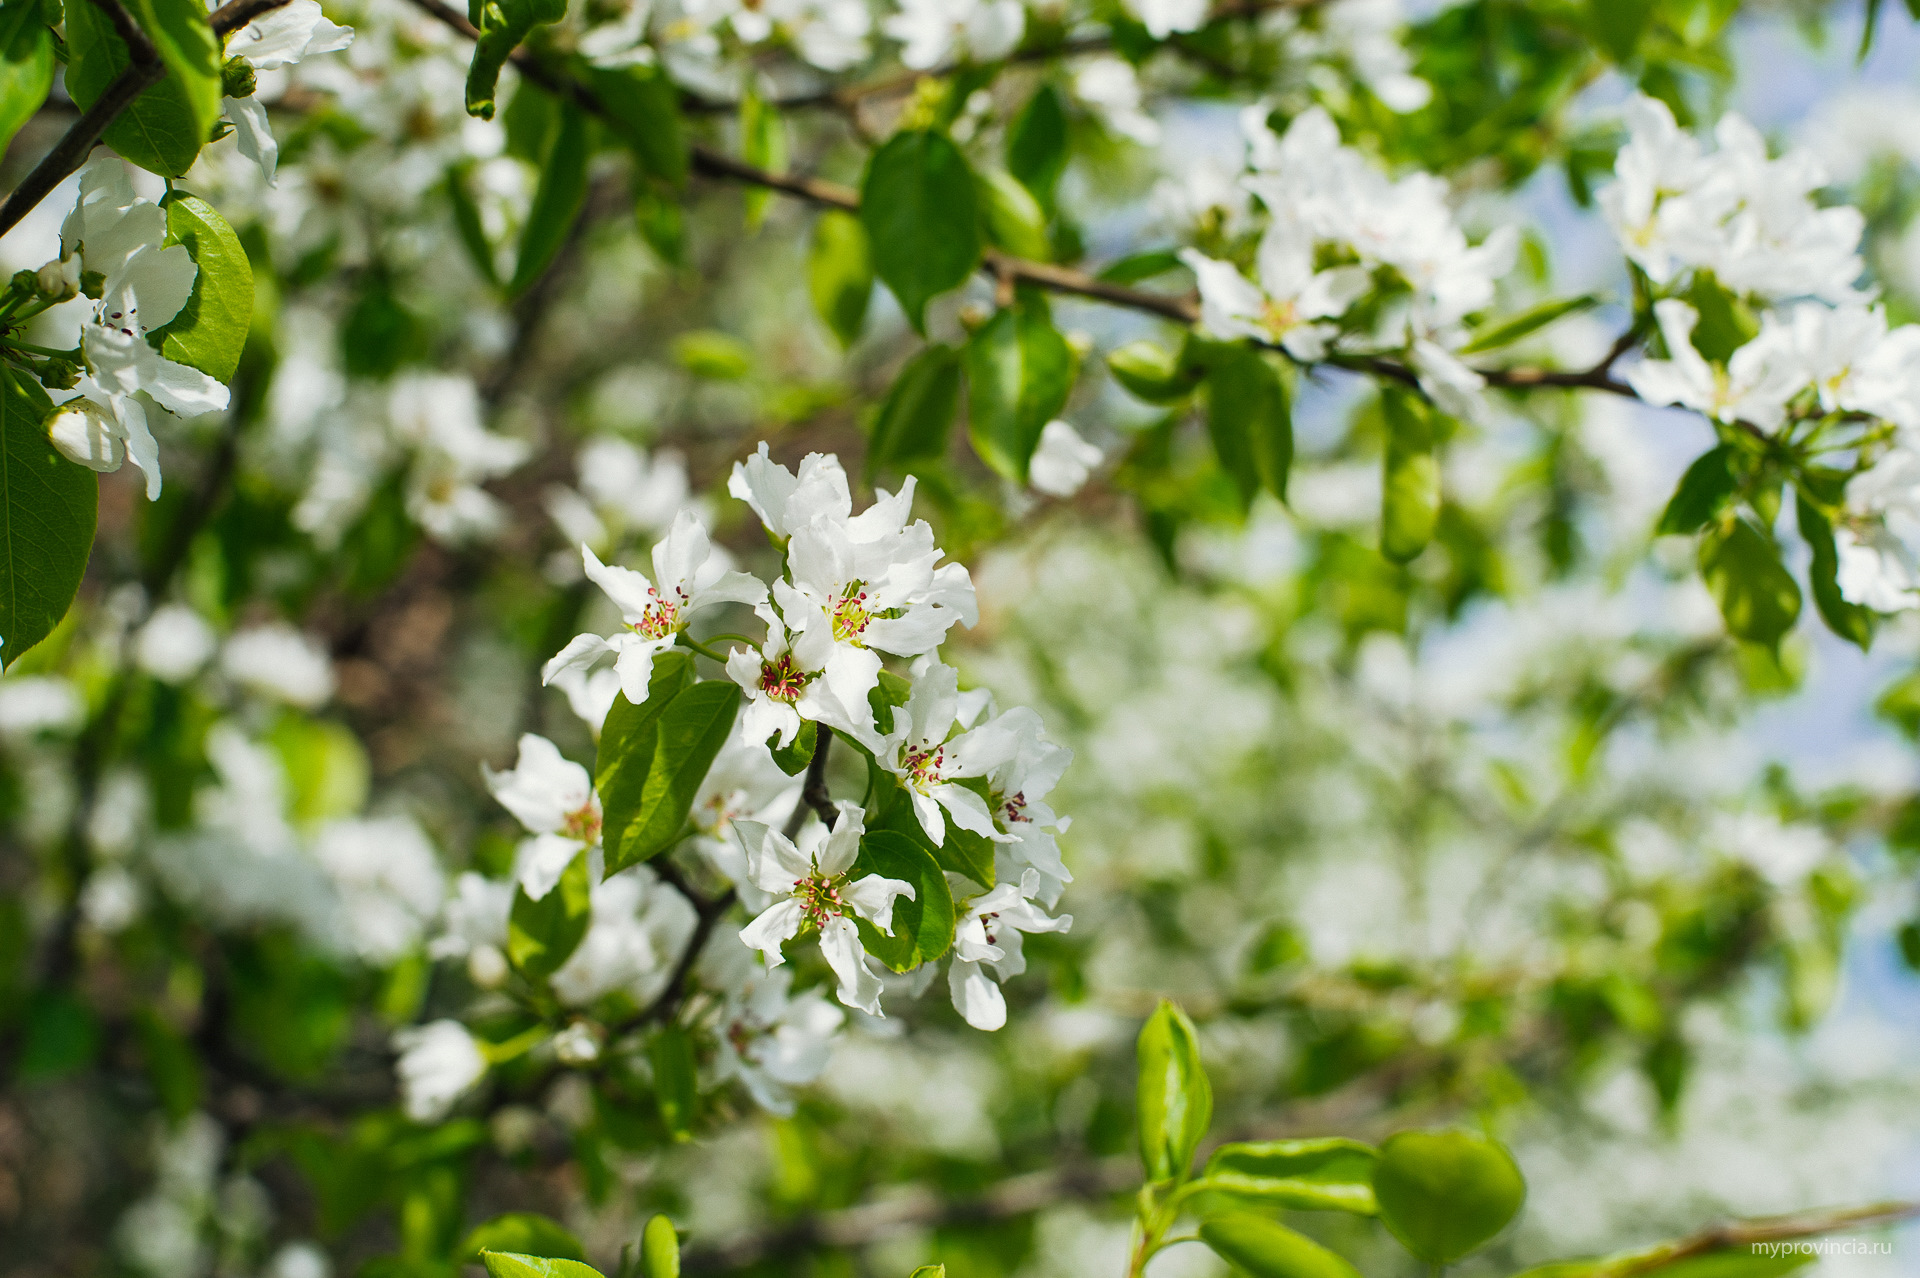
(819, 898)
(782, 680)
(127, 321)
(850, 614)
(1279, 317)
(583, 825)
(987, 921)
(662, 616)
(923, 766)
(1015, 807)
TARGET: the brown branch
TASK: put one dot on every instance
(1751, 1233)
(814, 795)
(235, 14)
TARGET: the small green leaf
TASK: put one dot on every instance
(627, 742)
(840, 274)
(1175, 1099)
(1014, 219)
(917, 417)
(1730, 1262)
(1037, 144)
(165, 127)
(26, 65)
(503, 25)
(1758, 597)
(542, 935)
(1329, 1173)
(1267, 1249)
(676, 1080)
(961, 852)
(1153, 373)
(1135, 267)
(922, 927)
(1444, 1193)
(1248, 418)
(1849, 620)
(557, 200)
(524, 1232)
(713, 355)
(1505, 333)
(920, 210)
(691, 731)
(46, 520)
(659, 1250)
(1618, 25)
(503, 1264)
(929, 1271)
(642, 109)
(1410, 488)
(793, 759)
(763, 144)
(1701, 494)
(211, 329)
(466, 221)
(1020, 371)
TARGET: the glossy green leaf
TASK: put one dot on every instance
(794, 757)
(46, 520)
(1135, 267)
(211, 329)
(960, 852)
(1329, 1173)
(840, 274)
(1506, 332)
(543, 934)
(627, 742)
(929, 1271)
(763, 144)
(558, 199)
(1702, 493)
(503, 25)
(920, 211)
(1410, 487)
(502, 1264)
(1037, 144)
(1849, 620)
(916, 418)
(526, 1233)
(1444, 1193)
(922, 927)
(1758, 597)
(1249, 419)
(165, 127)
(676, 1079)
(1267, 1249)
(1175, 1099)
(1020, 371)
(659, 1249)
(26, 64)
(1618, 25)
(691, 731)
(1151, 372)
(1014, 219)
(466, 222)
(642, 109)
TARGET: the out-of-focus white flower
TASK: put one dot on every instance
(277, 38)
(830, 34)
(688, 575)
(279, 661)
(1855, 362)
(1754, 386)
(454, 452)
(553, 798)
(639, 924)
(1783, 854)
(622, 490)
(474, 916)
(590, 693)
(112, 900)
(174, 644)
(1367, 33)
(1110, 86)
(389, 881)
(577, 1044)
(38, 703)
(1163, 18)
(988, 934)
(299, 1259)
(809, 887)
(1285, 305)
(744, 784)
(1876, 541)
(439, 1063)
(1062, 461)
(768, 1038)
(938, 31)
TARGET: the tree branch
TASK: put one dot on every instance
(814, 794)
(1751, 1233)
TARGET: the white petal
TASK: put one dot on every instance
(872, 899)
(840, 945)
(777, 923)
(975, 996)
(254, 135)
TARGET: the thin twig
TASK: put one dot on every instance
(814, 794)
(1751, 1233)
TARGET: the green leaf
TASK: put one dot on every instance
(1249, 419)
(165, 127)
(26, 65)
(543, 934)
(557, 200)
(1617, 25)
(662, 225)
(917, 417)
(1730, 1262)
(627, 742)
(1014, 219)
(1758, 597)
(919, 207)
(642, 109)
(1175, 1099)
(1037, 144)
(1329, 1173)
(840, 274)
(691, 731)
(961, 852)
(505, 1264)
(211, 329)
(1726, 323)
(793, 759)
(466, 221)
(503, 25)
(659, 1250)
(929, 1271)
(1444, 1193)
(1410, 487)
(46, 523)
(1135, 267)
(763, 144)
(1702, 493)
(526, 1232)
(173, 1065)
(1505, 333)
(676, 1080)
(1267, 1249)
(713, 355)
(1153, 373)
(1849, 620)
(1020, 371)
(922, 927)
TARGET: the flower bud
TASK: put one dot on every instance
(86, 433)
(577, 1044)
(487, 967)
(59, 374)
(58, 279)
(236, 78)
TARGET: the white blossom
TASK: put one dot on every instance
(1163, 18)
(279, 661)
(1110, 86)
(1754, 385)
(938, 31)
(768, 1038)
(1062, 461)
(929, 762)
(988, 935)
(553, 798)
(389, 882)
(638, 926)
(439, 1063)
(280, 37)
(175, 644)
(439, 416)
